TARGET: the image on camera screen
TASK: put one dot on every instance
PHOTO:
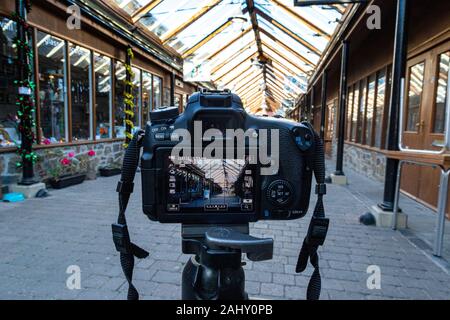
(197, 185)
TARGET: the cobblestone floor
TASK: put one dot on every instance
(41, 238)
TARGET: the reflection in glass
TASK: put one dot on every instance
(147, 95)
(80, 66)
(136, 80)
(9, 134)
(355, 112)
(415, 89)
(370, 109)
(103, 96)
(441, 93)
(379, 111)
(349, 111)
(52, 88)
(119, 114)
(157, 92)
(362, 108)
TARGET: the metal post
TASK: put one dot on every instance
(398, 74)
(342, 109)
(26, 142)
(324, 104)
(172, 89)
(441, 210)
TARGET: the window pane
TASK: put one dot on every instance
(349, 112)
(147, 95)
(415, 89)
(441, 93)
(103, 99)
(9, 134)
(119, 115)
(52, 88)
(157, 92)
(370, 111)
(379, 111)
(362, 108)
(80, 66)
(136, 80)
(355, 112)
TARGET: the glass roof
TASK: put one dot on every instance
(263, 50)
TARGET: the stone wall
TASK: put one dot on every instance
(106, 154)
(370, 163)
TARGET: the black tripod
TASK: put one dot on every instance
(215, 271)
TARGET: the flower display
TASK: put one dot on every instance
(91, 153)
(65, 161)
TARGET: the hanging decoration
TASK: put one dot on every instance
(25, 86)
(129, 98)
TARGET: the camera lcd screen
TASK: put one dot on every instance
(203, 185)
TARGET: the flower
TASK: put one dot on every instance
(91, 153)
(47, 141)
(65, 161)
(71, 154)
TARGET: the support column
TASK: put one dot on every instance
(323, 102)
(384, 210)
(398, 76)
(339, 177)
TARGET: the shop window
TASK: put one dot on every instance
(147, 95)
(136, 80)
(361, 112)
(119, 107)
(103, 96)
(349, 112)
(80, 75)
(441, 94)
(379, 109)
(52, 88)
(355, 112)
(370, 109)
(415, 90)
(9, 135)
(157, 92)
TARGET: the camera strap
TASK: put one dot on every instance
(318, 226)
(121, 237)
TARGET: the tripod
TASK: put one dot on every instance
(215, 271)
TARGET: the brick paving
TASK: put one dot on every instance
(41, 238)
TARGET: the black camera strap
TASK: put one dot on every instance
(318, 226)
(121, 237)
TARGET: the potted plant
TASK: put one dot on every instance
(64, 174)
(88, 163)
(111, 170)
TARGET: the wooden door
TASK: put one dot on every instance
(424, 120)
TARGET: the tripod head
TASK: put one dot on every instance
(215, 271)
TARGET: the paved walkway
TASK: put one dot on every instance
(41, 238)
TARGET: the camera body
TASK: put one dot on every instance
(213, 181)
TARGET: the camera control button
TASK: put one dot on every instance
(279, 193)
(160, 136)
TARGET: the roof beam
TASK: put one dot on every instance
(207, 38)
(247, 83)
(235, 66)
(302, 20)
(234, 56)
(138, 14)
(280, 54)
(236, 77)
(287, 48)
(229, 44)
(200, 13)
(242, 73)
(289, 32)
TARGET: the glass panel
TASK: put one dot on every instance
(103, 97)
(52, 88)
(9, 134)
(370, 109)
(362, 109)
(147, 96)
(349, 112)
(441, 93)
(355, 112)
(157, 92)
(136, 80)
(119, 114)
(379, 111)
(415, 89)
(80, 66)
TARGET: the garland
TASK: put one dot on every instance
(129, 98)
(26, 87)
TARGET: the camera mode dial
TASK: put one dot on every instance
(279, 193)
